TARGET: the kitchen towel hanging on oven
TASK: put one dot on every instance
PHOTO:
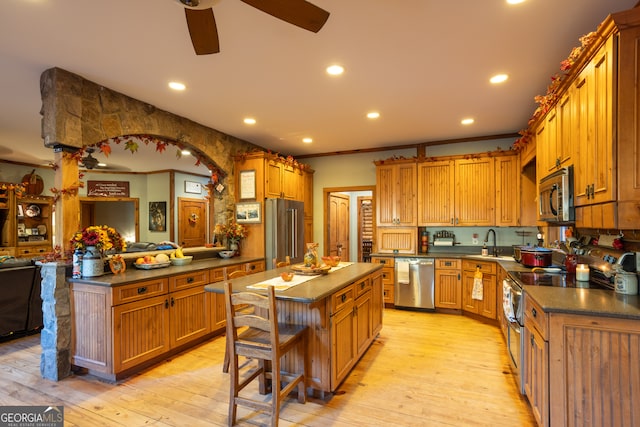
(477, 292)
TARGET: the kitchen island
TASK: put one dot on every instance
(343, 310)
(122, 323)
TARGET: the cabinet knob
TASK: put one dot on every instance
(343, 297)
(142, 290)
(534, 313)
(190, 279)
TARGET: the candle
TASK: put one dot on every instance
(582, 272)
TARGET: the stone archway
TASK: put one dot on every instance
(77, 112)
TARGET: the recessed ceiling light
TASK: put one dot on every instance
(467, 121)
(499, 78)
(177, 86)
(250, 121)
(335, 70)
(515, 1)
(373, 115)
(307, 140)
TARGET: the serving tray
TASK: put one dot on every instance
(301, 269)
(152, 266)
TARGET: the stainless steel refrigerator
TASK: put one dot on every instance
(284, 228)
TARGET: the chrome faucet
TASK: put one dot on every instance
(486, 240)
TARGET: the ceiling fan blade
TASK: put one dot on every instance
(203, 30)
(300, 13)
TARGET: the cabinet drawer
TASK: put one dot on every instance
(216, 275)
(140, 290)
(448, 264)
(534, 316)
(388, 276)
(32, 251)
(188, 280)
(389, 295)
(485, 267)
(255, 267)
(362, 286)
(342, 298)
(386, 261)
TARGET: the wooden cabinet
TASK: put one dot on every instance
(275, 177)
(485, 307)
(508, 190)
(594, 174)
(459, 192)
(356, 318)
(118, 330)
(397, 240)
(25, 224)
(396, 194)
(536, 360)
(448, 283)
(388, 278)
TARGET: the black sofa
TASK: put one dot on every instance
(20, 302)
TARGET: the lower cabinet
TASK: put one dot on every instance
(486, 306)
(536, 360)
(448, 284)
(118, 330)
(388, 278)
(356, 319)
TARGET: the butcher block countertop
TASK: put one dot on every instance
(316, 289)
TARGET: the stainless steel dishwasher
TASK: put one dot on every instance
(414, 287)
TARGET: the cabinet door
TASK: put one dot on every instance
(363, 322)
(406, 194)
(435, 193)
(189, 315)
(582, 174)
(385, 189)
(377, 303)
(343, 345)
(215, 301)
(448, 290)
(489, 293)
(552, 161)
(141, 331)
(469, 304)
(507, 191)
(536, 374)
(273, 179)
(475, 192)
(564, 131)
(396, 194)
(402, 240)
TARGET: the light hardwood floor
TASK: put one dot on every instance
(424, 369)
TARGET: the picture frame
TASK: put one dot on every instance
(248, 184)
(248, 213)
(192, 187)
(158, 216)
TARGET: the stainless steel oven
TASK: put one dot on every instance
(512, 308)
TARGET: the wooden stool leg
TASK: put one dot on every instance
(225, 363)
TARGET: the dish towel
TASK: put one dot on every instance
(477, 292)
(402, 270)
(506, 302)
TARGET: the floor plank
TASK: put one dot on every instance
(424, 369)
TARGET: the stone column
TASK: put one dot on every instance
(55, 337)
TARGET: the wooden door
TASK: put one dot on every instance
(192, 222)
(339, 225)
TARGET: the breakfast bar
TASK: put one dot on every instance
(343, 309)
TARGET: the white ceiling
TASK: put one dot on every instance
(424, 64)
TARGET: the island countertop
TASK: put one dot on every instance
(313, 290)
(133, 274)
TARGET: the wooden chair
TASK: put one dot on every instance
(261, 337)
(232, 275)
(284, 263)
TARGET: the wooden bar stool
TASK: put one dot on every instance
(284, 263)
(232, 275)
(259, 336)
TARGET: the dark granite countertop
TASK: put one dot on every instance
(592, 302)
(311, 291)
(132, 274)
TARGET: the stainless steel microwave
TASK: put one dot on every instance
(556, 196)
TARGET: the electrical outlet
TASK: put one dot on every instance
(474, 240)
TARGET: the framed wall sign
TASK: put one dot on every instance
(247, 185)
(192, 187)
(248, 213)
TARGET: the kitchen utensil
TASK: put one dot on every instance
(535, 257)
(626, 283)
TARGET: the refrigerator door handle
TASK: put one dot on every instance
(294, 232)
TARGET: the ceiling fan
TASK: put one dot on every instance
(204, 33)
(89, 161)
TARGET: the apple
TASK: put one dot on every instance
(149, 259)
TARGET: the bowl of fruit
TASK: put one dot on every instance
(184, 260)
(331, 261)
(286, 276)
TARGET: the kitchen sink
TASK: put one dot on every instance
(493, 258)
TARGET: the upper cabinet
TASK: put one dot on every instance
(25, 224)
(396, 194)
(283, 181)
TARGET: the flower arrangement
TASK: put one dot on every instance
(103, 237)
(233, 231)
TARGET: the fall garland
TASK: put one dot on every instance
(545, 102)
